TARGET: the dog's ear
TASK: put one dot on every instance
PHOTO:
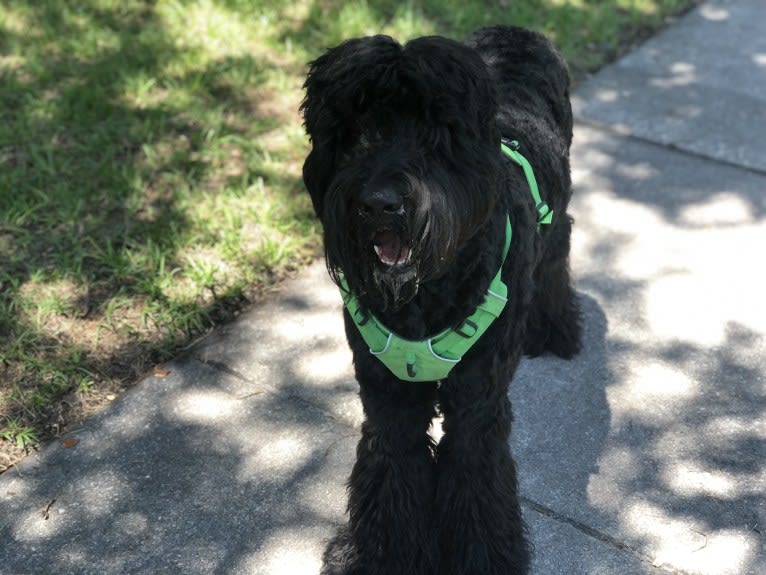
(339, 89)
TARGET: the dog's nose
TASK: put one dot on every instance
(381, 201)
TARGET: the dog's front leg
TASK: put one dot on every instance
(391, 488)
(477, 507)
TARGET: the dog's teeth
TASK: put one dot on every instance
(379, 251)
(382, 257)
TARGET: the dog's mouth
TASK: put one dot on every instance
(391, 249)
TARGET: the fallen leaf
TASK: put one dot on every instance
(160, 371)
(69, 442)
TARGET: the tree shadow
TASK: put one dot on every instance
(180, 475)
(679, 478)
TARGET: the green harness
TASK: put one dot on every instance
(433, 358)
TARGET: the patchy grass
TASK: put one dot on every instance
(150, 157)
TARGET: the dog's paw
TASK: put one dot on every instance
(340, 557)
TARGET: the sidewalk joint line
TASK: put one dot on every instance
(595, 534)
(628, 135)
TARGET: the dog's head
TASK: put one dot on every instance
(404, 162)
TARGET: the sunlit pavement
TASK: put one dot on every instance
(645, 454)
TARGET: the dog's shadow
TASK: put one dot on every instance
(561, 421)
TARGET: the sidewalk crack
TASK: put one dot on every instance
(220, 366)
(266, 388)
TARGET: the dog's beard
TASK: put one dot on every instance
(396, 286)
(378, 259)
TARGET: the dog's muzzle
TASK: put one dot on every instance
(383, 209)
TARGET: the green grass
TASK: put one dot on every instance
(150, 158)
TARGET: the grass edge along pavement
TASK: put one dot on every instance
(150, 161)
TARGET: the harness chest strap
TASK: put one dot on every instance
(432, 359)
(429, 359)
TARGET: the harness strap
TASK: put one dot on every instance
(433, 358)
(430, 359)
(510, 148)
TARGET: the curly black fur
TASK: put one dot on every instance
(407, 177)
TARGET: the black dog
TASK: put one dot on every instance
(418, 203)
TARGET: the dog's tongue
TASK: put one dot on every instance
(390, 249)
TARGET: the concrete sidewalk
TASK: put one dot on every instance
(646, 454)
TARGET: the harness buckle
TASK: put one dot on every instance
(410, 359)
(467, 323)
(363, 316)
(545, 213)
